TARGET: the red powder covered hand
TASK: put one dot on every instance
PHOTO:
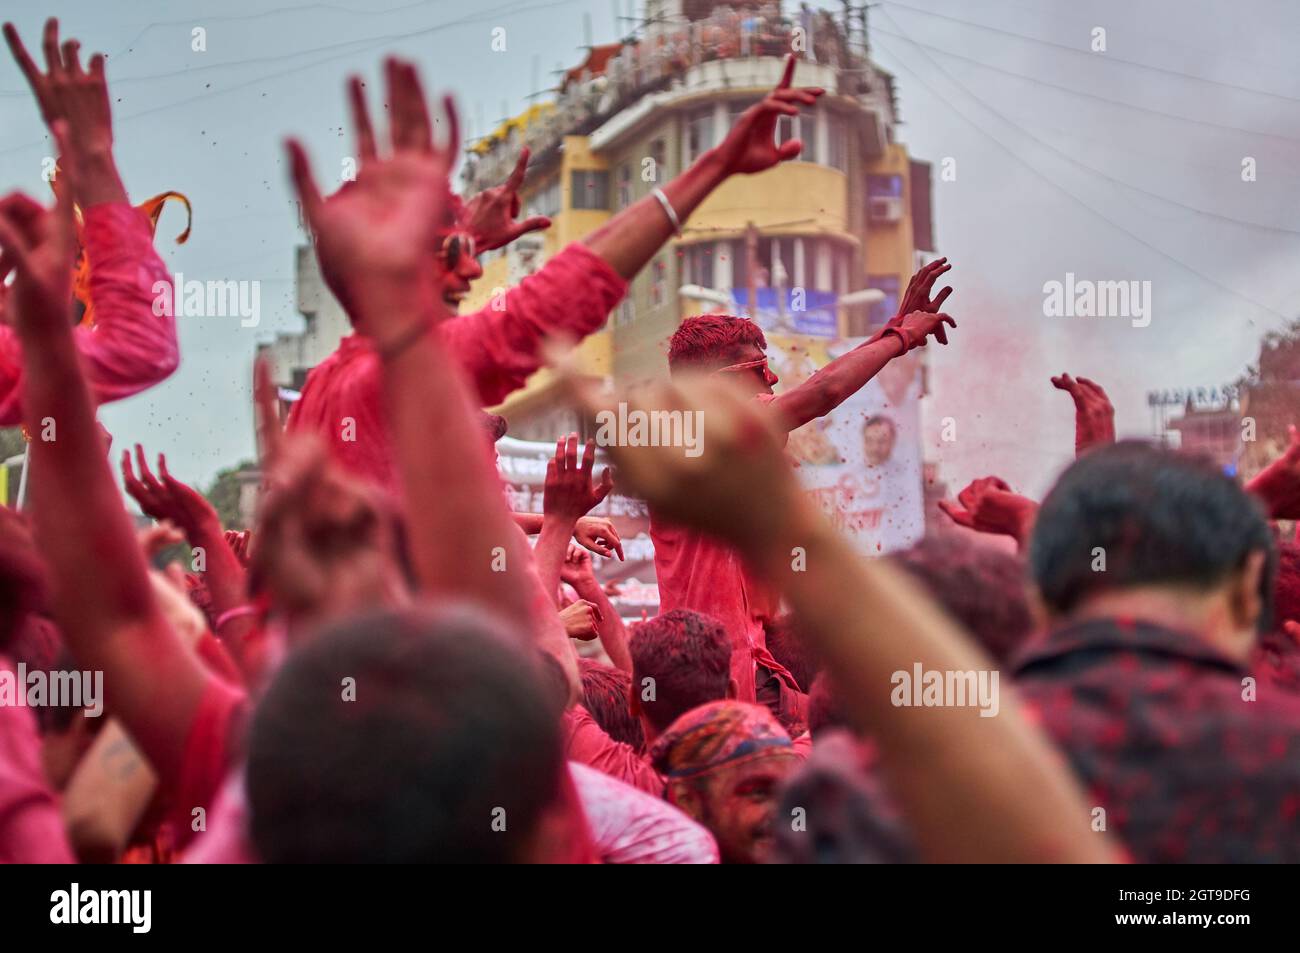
(490, 215)
(751, 145)
(68, 92)
(376, 236)
(581, 620)
(597, 533)
(914, 329)
(576, 570)
(568, 492)
(1278, 484)
(239, 541)
(989, 505)
(1094, 417)
(164, 497)
(917, 296)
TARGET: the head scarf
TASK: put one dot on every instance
(715, 735)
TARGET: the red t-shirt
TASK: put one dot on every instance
(587, 743)
(343, 399)
(700, 573)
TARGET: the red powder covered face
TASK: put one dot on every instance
(737, 803)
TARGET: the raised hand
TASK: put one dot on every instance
(1094, 417)
(751, 145)
(1278, 484)
(597, 533)
(569, 493)
(576, 570)
(989, 505)
(79, 97)
(239, 542)
(490, 215)
(376, 237)
(917, 296)
(740, 474)
(163, 497)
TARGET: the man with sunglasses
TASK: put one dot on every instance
(698, 573)
(570, 296)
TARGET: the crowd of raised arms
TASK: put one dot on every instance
(384, 668)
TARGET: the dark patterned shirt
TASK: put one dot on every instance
(1158, 729)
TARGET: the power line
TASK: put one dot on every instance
(367, 44)
(1279, 229)
(1110, 58)
(1038, 81)
(1088, 208)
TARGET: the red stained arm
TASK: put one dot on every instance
(102, 596)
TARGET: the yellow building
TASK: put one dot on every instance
(841, 225)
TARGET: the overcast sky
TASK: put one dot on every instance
(1117, 165)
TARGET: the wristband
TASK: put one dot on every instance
(668, 210)
(239, 612)
(901, 335)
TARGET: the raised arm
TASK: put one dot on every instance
(1094, 417)
(374, 241)
(133, 343)
(632, 237)
(101, 591)
(163, 497)
(577, 572)
(972, 788)
(569, 494)
(918, 318)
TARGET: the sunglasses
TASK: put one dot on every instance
(455, 245)
(760, 366)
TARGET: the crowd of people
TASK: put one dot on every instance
(384, 668)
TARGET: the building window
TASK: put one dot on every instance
(624, 186)
(697, 260)
(589, 190)
(546, 200)
(699, 133)
(739, 264)
(884, 199)
(802, 127)
(882, 311)
(658, 283)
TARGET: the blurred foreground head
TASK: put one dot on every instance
(449, 750)
(1134, 530)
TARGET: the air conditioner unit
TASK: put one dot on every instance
(885, 208)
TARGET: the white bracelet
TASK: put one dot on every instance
(668, 210)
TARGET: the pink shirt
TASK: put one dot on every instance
(31, 825)
(343, 398)
(129, 348)
(632, 827)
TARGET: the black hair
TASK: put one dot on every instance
(1156, 517)
(449, 750)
